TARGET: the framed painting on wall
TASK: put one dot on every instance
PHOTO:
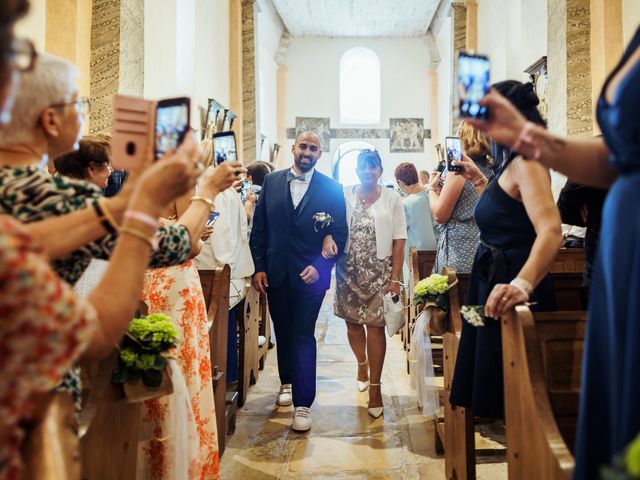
(319, 125)
(406, 135)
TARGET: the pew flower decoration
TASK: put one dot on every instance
(142, 348)
(626, 466)
(473, 314)
(321, 220)
(432, 291)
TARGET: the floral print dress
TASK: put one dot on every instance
(361, 277)
(166, 448)
(44, 328)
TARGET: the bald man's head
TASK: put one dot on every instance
(306, 151)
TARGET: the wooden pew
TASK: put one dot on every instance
(420, 266)
(248, 315)
(542, 355)
(567, 278)
(265, 331)
(215, 286)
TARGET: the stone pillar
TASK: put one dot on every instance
(250, 101)
(281, 59)
(434, 62)
(606, 44)
(117, 56)
(472, 24)
(569, 66)
(459, 14)
(235, 70)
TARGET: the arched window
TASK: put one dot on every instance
(359, 87)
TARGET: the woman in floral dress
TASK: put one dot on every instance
(370, 268)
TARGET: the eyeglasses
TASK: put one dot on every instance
(21, 55)
(82, 105)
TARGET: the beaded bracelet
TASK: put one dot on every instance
(523, 285)
(477, 183)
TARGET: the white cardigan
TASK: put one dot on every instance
(389, 218)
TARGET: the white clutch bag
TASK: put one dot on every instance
(394, 316)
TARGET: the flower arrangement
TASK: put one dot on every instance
(474, 315)
(431, 290)
(321, 220)
(140, 356)
(626, 465)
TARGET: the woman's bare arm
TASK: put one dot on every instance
(442, 204)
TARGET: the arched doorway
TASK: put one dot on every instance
(344, 161)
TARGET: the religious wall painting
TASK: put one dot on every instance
(539, 77)
(406, 135)
(319, 125)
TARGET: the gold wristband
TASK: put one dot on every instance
(477, 183)
(208, 201)
(149, 240)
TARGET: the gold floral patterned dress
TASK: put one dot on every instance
(167, 447)
(361, 277)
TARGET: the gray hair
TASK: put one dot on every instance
(52, 81)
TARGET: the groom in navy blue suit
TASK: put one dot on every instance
(297, 208)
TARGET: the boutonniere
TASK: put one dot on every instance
(321, 220)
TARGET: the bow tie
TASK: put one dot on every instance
(292, 176)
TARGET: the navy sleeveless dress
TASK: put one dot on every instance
(610, 390)
(506, 236)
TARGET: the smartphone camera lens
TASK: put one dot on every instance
(131, 148)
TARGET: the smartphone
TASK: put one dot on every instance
(132, 131)
(172, 124)
(224, 147)
(246, 186)
(213, 216)
(473, 84)
(453, 151)
(440, 167)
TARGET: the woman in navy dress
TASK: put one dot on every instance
(609, 417)
(520, 235)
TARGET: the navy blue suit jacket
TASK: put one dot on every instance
(283, 239)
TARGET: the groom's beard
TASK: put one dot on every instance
(305, 162)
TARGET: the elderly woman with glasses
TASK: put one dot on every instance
(44, 326)
(370, 268)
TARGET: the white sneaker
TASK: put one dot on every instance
(301, 419)
(261, 340)
(285, 398)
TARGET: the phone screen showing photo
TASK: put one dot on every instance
(453, 152)
(246, 186)
(172, 124)
(213, 216)
(224, 147)
(473, 84)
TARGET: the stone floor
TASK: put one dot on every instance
(344, 443)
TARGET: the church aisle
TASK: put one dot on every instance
(344, 442)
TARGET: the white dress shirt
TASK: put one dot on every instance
(298, 187)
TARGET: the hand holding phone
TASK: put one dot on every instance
(473, 84)
(453, 152)
(172, 124)
(213, 216)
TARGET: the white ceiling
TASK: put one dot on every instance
(356, 18)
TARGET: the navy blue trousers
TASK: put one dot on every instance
(294, 314)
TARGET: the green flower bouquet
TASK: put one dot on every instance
(430, 297)
(141, 351)
(626, 465)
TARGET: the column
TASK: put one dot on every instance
(472, 24)
(250, 101)
(606, 44)
(459, 13)
(235, 71)
(117, 56)
(281, 60)
(569, 66)
(434, 62)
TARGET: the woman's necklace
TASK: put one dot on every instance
(369, 199)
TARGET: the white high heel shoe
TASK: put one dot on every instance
(375, 412)
(362, 386)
